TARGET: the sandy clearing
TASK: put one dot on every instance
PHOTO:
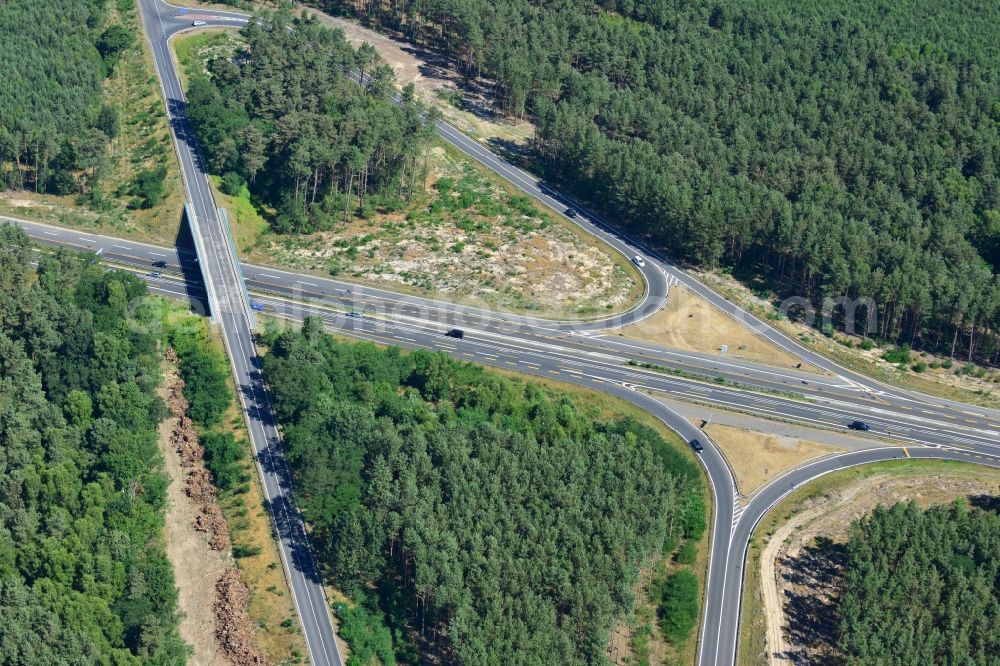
(688, 322)
(432, 81)
(757, 457)
(492, 254)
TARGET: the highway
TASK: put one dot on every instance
(782, 393)
(578, 352)
(230, 310)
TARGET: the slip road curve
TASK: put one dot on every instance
(659, 272)
(657, 279)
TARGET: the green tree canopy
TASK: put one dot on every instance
(499, 519)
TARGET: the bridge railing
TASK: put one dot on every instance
(199, 248)
(235, 259)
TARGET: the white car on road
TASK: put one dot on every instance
(638, 261)
(198, 23)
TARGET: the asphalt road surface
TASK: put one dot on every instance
(230, 309)
(569, 351)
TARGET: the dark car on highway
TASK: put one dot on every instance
(859, 425)
(456, 333)
(696, 445)
(570, 212)
(159, 264)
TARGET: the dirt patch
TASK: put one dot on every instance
(233, 629)
(197, 566)
(466, 239)
(802, 564)
(757, 457)
(198, 482)
(688, 322)
(464, 104)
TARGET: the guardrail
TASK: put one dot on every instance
(235, 259)
(199, 248)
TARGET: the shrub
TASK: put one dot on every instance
(897, 355)
(688, 553)
(692, 515)
(224, 457)
(947, 363)
(919, 366)
(232, 184)
(866, 344)
(149, 186)
(367, 635)
(204, 376)
(112, 42)
(967, 369)
(245, 551)
(679, 606)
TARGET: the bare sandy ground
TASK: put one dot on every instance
(688, 322)
(757, 457)
(196, 566)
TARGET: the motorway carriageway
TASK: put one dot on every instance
(837, 402)
(388, 304)
(551, 358)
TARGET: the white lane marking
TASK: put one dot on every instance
(273, 277)
(51, 233)
(157, 254)
(311, 284)
(84, 240)
(122, 247)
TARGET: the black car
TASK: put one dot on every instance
(456, 333)
(859, 425)
(570, 212)
(696, 445)
(159, 264)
